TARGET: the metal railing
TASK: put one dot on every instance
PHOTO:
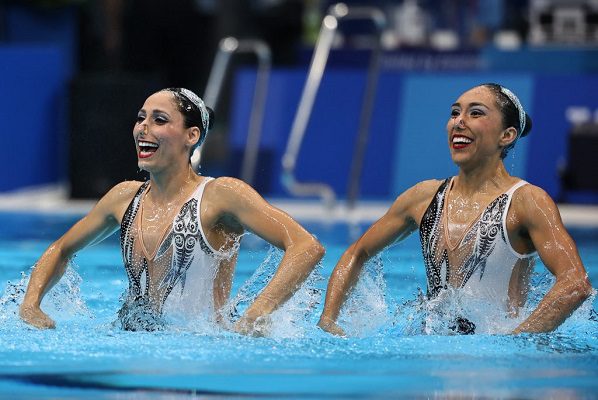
(318, 64)
(227, 47)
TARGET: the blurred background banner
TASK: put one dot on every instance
(74, 73)
(33, 104)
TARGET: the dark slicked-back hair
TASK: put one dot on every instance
(510, 114)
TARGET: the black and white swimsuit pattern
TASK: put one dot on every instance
(177, 281)
(482, 262)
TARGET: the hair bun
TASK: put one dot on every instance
(528, 125)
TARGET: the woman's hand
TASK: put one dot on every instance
(331, 326)
(33, 315)
(257, 327)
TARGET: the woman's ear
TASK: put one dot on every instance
(508, 136)
(193, 135)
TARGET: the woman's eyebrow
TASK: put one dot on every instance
(474, 104)
(158, 111)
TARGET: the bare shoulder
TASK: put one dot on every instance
(531, 196)
(423, 192)
(413, 202)
(228, 188)
(531, 203)
(227, 194)
(529, 190)
(123, 191)
(425, 189)
(226, 184)
(115, 202)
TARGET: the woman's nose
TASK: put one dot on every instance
(458, 122)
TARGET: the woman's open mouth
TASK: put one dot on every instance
(461, 142)
(146, 149)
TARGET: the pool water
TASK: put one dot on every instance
(85, 356)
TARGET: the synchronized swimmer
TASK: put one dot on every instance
(480, 230)
(179, 231)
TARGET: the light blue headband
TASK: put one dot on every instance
(520, 110)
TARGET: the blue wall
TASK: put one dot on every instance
(408, 137)
(33, 84)
(407, 140)
(552, 95)
(37, 62)
(331, 133)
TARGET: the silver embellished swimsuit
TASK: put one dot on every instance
(175, 282)
(482, 262)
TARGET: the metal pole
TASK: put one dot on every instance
(258, 107)
(227, 47)
(318, 64)
(289, 159)
(367, 108)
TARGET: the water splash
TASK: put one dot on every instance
(582, 320)
(296, 317)
(369, 311)
(250, 289)
(454, 312)
(136, 314)
(366, 309)
(63, 302)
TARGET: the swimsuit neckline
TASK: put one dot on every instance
(471, 223)
(152, 255)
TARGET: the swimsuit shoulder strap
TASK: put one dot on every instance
(509, 194)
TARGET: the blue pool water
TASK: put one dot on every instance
(85, 357)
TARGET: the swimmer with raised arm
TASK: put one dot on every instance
(179, 231)
(479, 230)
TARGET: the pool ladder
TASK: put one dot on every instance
(226, 48)
(321, 53)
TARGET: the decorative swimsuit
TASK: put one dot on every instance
(177, 281)
(480, 265)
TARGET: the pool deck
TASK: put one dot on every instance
(54, 199)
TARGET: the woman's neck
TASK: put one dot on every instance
(165, 187)
(470, 181)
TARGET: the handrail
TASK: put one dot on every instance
(227, 47)
(318, 63)
(367, 107)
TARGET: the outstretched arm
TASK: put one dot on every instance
(301, 250)
(398, 223)
(558, 252)
(97, 225)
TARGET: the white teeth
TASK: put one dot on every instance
(143, 143)
(462, 139)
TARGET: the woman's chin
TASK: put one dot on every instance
(144, 166)
(462, 162)
(458, 158)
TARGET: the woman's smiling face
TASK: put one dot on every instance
(159, 133)
(475, 127)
